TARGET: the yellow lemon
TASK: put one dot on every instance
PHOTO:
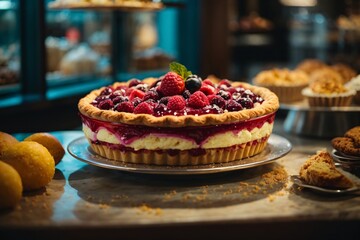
(10, 186)
(6, 140)
(33, 162)
(50, 142)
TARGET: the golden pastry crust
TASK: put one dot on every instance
(270, 105)
(310, 65)
(327, 86)
(215, 155)
(281, 77)
(346, 72)
(326, 73)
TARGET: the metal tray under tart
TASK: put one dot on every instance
(325, 122)
(277, 147)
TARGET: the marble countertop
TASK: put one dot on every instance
(85, 200)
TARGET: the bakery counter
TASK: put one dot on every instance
(88, 201)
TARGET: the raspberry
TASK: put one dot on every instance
(225, 82)
(207, 89)
(134, 82)
(176, 103)
(151, 94)
(208, 82)
(233, 106)
(217, 100)
(144, 107)
(198, 100)
(125, 107)
(106, 104)
(136, 93)
(172, 84)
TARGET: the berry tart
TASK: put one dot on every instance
(178, 119)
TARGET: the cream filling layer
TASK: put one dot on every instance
(163, 141)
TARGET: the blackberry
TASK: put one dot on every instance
(120, 99)
(134, 82)
(186, 94)
(233, 106)
(224, 94)
(106, 104)
(193, 83)
(246, 103)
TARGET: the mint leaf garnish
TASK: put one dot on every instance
(180, 69)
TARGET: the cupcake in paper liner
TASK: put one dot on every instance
(286, 84)
(354, 84)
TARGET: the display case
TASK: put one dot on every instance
(68, 52)
(9, 48)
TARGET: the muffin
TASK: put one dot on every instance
(326, 89)
(286, 84)
(355, 85)
(310, 65)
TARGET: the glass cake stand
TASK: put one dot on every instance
(324, 122)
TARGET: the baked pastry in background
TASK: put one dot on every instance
(178, 119)
(310, 65)
(286, 84)
(346, 72)
(326, 89)
(81, 60)
(349, 144)
(320, 170)
(355, 85)
(56, 48)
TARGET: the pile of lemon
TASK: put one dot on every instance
(26, 165)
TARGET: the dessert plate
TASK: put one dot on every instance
(277, 147)
(343, 156)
